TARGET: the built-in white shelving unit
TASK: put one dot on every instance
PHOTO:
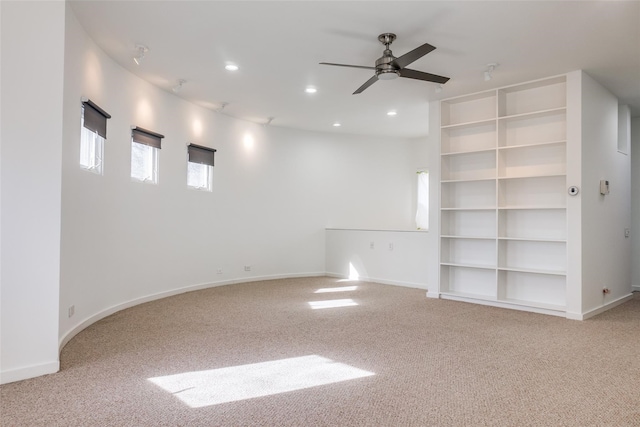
(503, 218)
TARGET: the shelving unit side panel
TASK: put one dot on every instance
(537, 289)
(471, 281)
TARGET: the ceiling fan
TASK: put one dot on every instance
(389, 67)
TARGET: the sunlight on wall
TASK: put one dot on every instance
(196, 128)
(248, 141)
(353, 273)
(93, 78)
(316, 305)
(340, 289)
(144, 113)
(206, 388)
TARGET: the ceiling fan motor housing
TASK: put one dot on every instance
(385, 69)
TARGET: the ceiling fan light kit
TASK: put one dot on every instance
(388, 67)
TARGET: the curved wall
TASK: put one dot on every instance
(275, 192)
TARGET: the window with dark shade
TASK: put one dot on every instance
(146, 137)
(200, 167)
(200, 154)
(145, 147)
(92, 137)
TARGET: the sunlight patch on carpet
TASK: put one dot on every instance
(216, 386)
(339, 289)
(332, 303)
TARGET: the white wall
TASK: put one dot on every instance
(606, 253)
(383, 256)
(31, 126)
(125, 242)
(635, 202)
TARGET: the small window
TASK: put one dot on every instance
(422, 214)
(145, 146)
(92, 137)
(200, 167)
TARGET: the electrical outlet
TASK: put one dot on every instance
(72, 310)
(605, 290)
(219, 271)
(390, 246)
(247, 268)
(627, 232)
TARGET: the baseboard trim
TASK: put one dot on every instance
(635, 289)
(594, 312)
(33, 371)
(141, 300)
(381, 281)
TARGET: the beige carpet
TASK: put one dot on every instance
(435, 363)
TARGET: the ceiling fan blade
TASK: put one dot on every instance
(351, 66)
(414, 55)
(368, 83)
(419, 75)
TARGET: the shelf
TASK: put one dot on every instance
(470, 209)
(537, 144)
(480, 150)
(531, 207)
(469, 295)
(532, 239)
(535, 114)
(467, 109)
(447, 181)
(468, 237)
(533, 271)
(532, 176)
(469, 124)
(535, 304)
(481, 267)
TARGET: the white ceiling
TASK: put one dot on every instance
(278, 46)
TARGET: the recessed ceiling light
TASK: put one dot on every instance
(311, 89)
(336, 124)
(392, 113)
(231, 67)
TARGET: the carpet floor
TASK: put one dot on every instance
(280, 353)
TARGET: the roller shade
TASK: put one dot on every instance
(146, 137)
(200, 154)
(95, 118)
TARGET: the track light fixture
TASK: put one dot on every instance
(177, 88)
(222, 107)
(141, 52)
(488, 73)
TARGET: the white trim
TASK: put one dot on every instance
(381, 281)
(588, 314)
(635, 289)
(433, 294)
(141, 300)
(501, 304)
(33, 371)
